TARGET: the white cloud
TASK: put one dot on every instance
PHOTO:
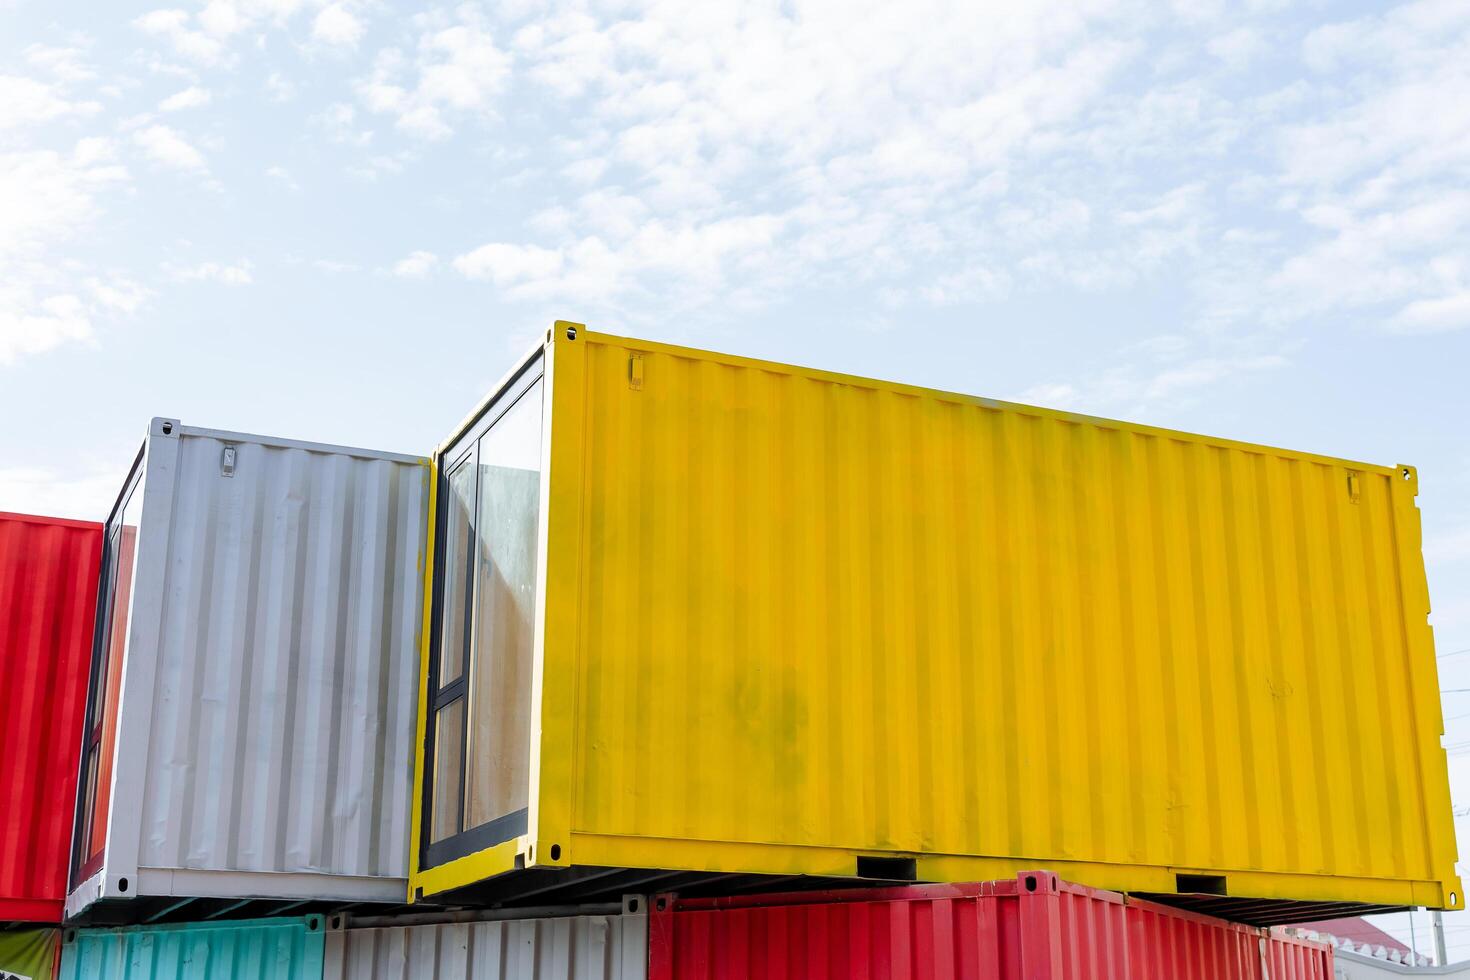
(221, 18)
(506, 264)
(189, 98)
(27, 102)
(416, 265)
(82, 495)
(36, 327)
(1435, 315)
(1051, 395)
(1239, 48)
(339, 121)
(1375, 174)
(283, 176)
(166, 146)
(118, 294)
(238, 274)
(336, 25)
(46, 198)
(200, 47)
(204, 38)
(66, 64)
(279, 87)
(1206, 371)
(456, 70)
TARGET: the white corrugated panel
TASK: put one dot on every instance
(269, 690)
(585, 947)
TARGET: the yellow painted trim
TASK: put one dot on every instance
(950, 396)
(554, 755)
(416, 809)
(1433, 768)
(470, 869)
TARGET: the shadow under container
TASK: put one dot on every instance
(285, 948)
(249, 730)
(697, 618)
(1032, 927)
(48, 595)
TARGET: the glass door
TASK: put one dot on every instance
(478, 751)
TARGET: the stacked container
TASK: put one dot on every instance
(1033, 927)
(563, 944)
(249, 731)
(657, 620)
(283, 948)
(48, 592)
(696, 616)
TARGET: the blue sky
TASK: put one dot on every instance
(340, 221)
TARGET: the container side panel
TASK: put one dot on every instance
(879, 604)
(595, 947)
(281, 733)
(48, 595)
(279, 949)
(985, 933)
(29, 954)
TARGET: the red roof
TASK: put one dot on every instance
(1359, 930)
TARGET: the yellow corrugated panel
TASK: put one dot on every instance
(797, 617)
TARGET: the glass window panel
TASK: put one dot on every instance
(109, 677)
(448, 752)
(89, 849)
(505, 597)
(460, 503)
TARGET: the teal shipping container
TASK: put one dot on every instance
(252, 949)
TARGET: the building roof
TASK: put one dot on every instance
(1358, 930)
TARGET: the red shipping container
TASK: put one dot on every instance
(1035, 927)
(48, 595)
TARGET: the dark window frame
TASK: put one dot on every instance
(83, 867)
(463, 451)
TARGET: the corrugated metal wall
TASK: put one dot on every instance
(280, 733)
(588, 947)
(945, 625)
(259, 949)
(987, 931)
(48, 593)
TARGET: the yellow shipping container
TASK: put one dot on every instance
(710, 616)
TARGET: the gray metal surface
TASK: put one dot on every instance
(579, 947)
(266, 732)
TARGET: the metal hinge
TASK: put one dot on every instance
(635, 372)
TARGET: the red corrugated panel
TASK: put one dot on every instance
(48, 593)
(1032, 928)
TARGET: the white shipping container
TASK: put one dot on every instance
(250, 722)
(610, 946)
